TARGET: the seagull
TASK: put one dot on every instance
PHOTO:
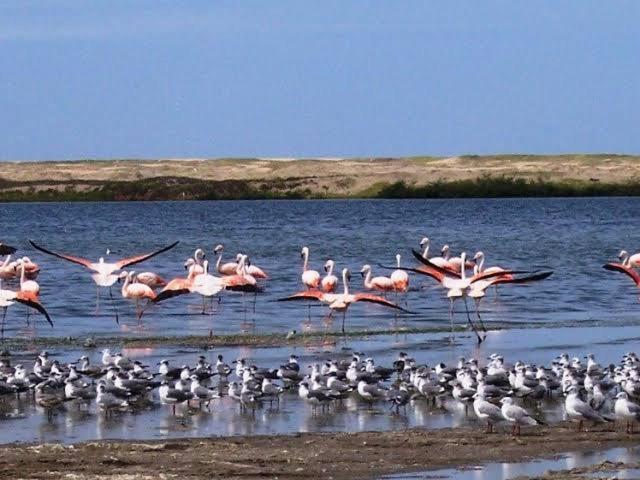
(577, 408)
(516, 415)
(626, 410)
(172, 396)
(487, 411)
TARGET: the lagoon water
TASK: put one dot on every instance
(580, 308)
(574, 237)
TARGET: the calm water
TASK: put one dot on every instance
(572, 236)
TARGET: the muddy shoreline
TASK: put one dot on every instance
(321, 455)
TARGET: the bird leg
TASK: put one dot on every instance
(451, 318)
(115, 307)
(344, 314)
(97, 300)
(473, 327)
(484, 329)
(4, 315)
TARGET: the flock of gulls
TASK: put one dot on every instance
(497, 392)
(460, 277)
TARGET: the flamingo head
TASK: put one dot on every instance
(123, 275)
(347, 274)
(304, 252)
(199, 254)
(398, 258)
(364, 270)
(238, 257)
(189, 263)
(424, 241)
(219, 248)
(478, 256)
(445, 249)
(328, 265)
(623, 254)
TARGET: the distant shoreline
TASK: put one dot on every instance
(256, 179)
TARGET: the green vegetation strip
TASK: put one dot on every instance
(183, 188)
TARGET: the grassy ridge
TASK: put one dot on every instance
(183, 188)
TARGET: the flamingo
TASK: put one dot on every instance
(134, 290)
(177, 286)
(477, 289)
(629, 260)
(457, 287)
(7, 269)
(206, 285)
(626, 269)
(400, 278)
(340, 302)
(104, 272)
(253, 270)
(329, 281)
(197, 261)
(29, 289)
(150, 279)
(382, 284)
(479, 258)
(9, 297)
(310, 278)
(224, 268)
(454, 263)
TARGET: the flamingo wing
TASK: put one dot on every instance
(367, 297)
(618, 267)
(69, 258)
(443, 270)
(125, 262)
(308, 295)
(486, 275)
(422, 270)
(7, 250)
(170, 293)
(531, 278)
(29, 302)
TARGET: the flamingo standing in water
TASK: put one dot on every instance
(400, 278)
(310, 278)
(9, 297)
(329, 281)
(253, 270)
(134, 290)
(224, 268)
(340, 302)
(31, 268)
(104, 273)
(381, 284)
(453, 263)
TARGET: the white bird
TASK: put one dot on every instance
(626, 410)
(576, 408)
(517, 415)
(485, 410)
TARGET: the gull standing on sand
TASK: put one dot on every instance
(516, 415)
(626, 410)
(487, 411)
(579, 409)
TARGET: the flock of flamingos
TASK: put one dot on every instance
(460, 277)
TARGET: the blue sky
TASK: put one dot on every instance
(214, 78)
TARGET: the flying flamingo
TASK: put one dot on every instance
(629, 260)
(134, 290)
(310, 278)
(329, 281)
(340, 302)
(400, 278)
(9, 297)
(224, 268)
(382, 284)
(29, 289)
(104, 272)
(457, 287)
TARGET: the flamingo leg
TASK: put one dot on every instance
(255, 299)
(484, 329)
(4, 315)
(115, 307)
(451, 317)
(466, 307)
(344, 315)
(204, 306)
(97, 300)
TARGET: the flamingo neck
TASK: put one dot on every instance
(367, 278)
(205, 267)
(219, 260)
(398, 260)
(330, 272)
(125, 285)
(463, 270)
(480, 264)
(306, 260)
(345, 282)
(22, 277)
(425, 251)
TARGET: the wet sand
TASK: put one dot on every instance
(332, 455)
